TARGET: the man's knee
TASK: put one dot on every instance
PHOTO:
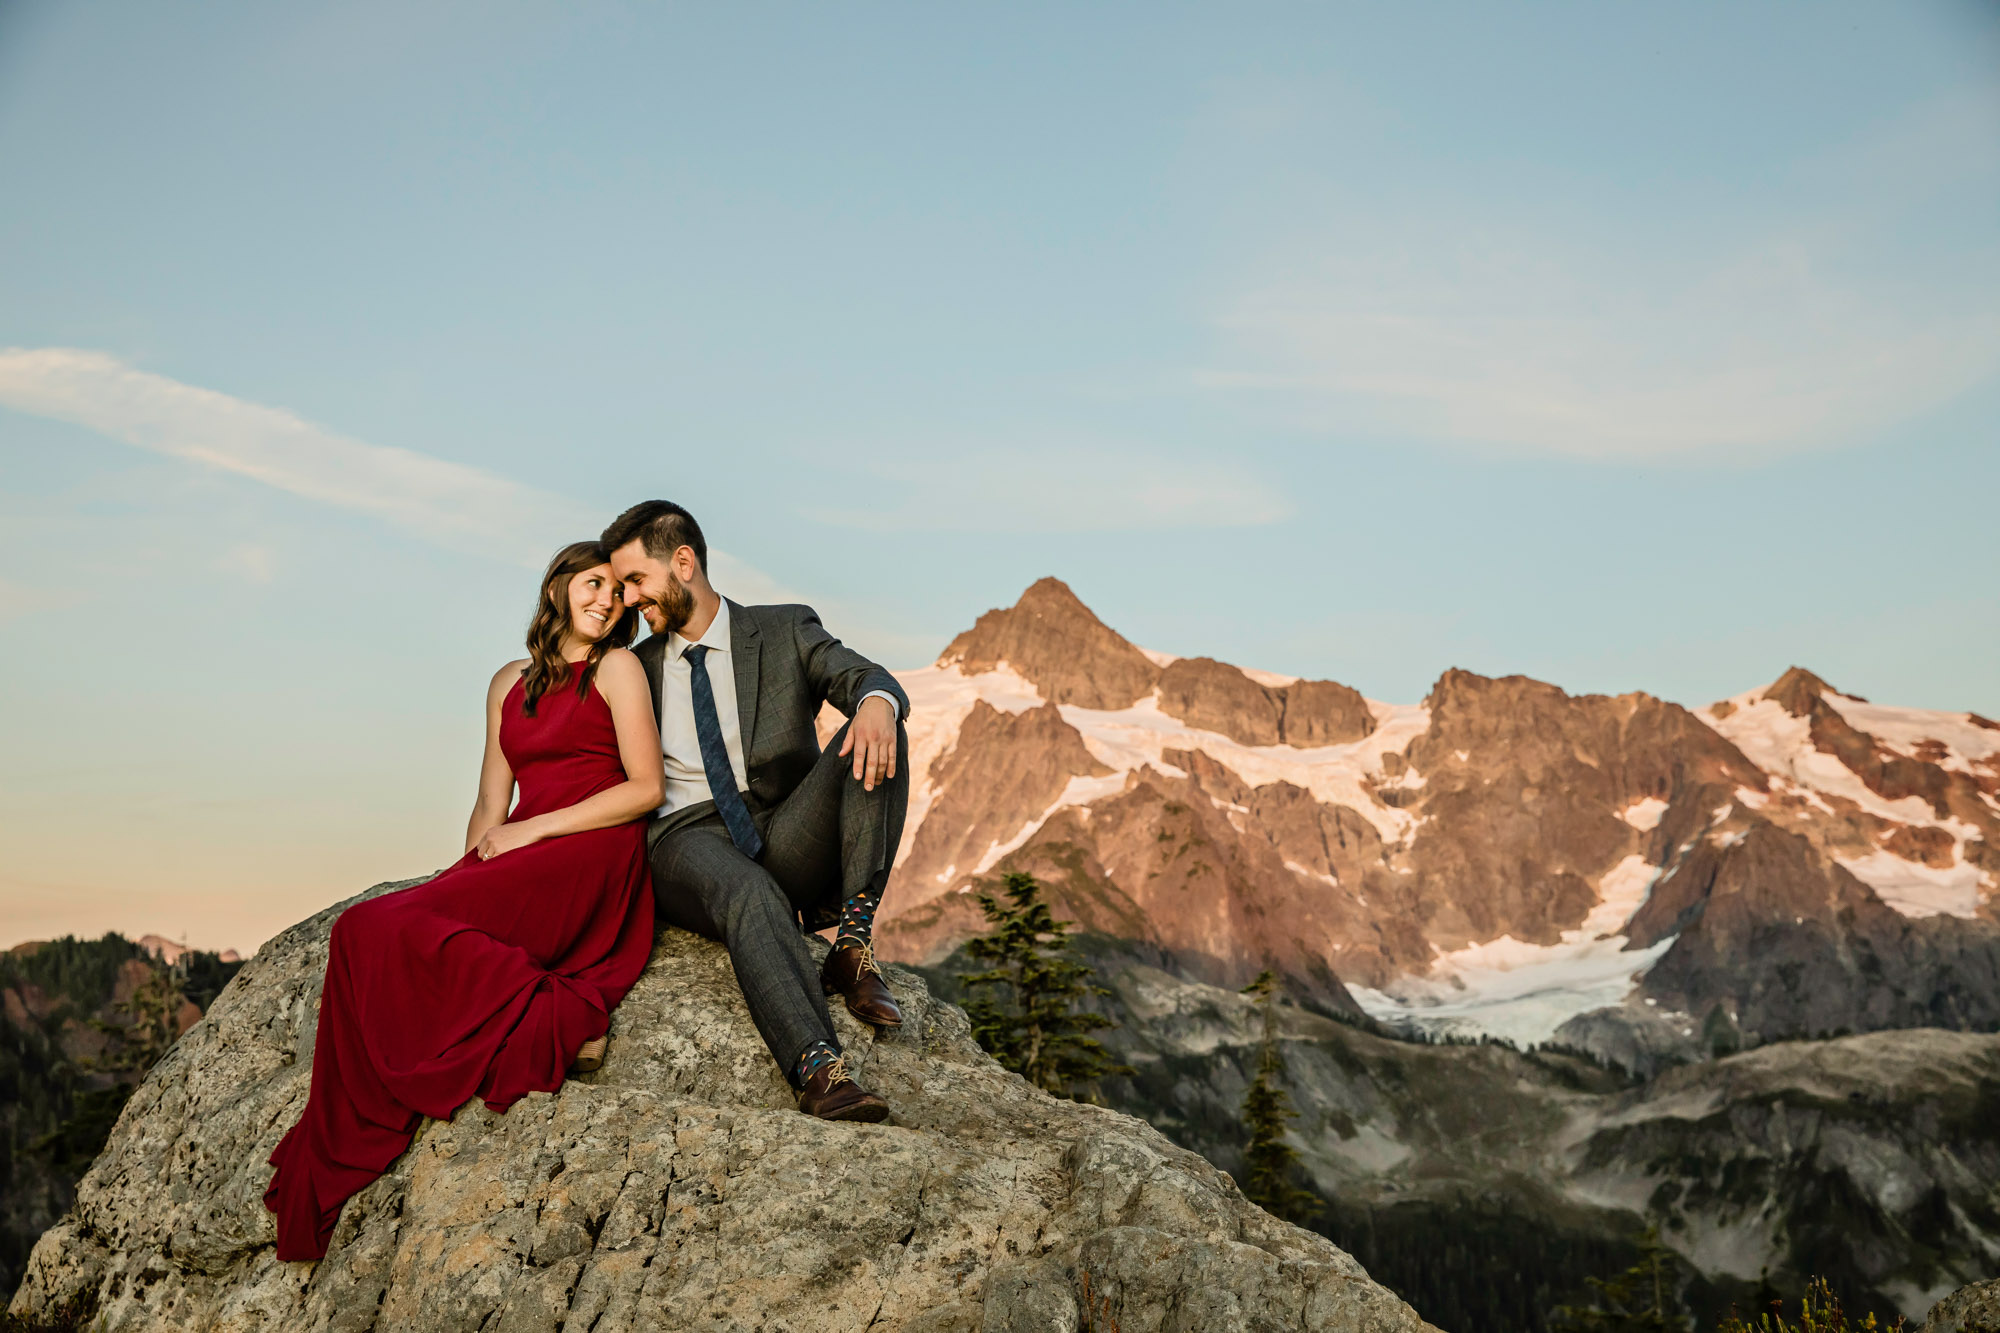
(753, 903)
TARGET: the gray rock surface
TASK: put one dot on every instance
(678, 1189)
(1973, 1309)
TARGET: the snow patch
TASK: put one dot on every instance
(1524, 992)
(1781, 744)
(1918, 890)
(1904, 730)
(1161, 660)
(1644, 814)
(1310, 873)
(1129, 738)
(1270, 679)
(940, 699)
(1077, 791)
(1620, 894)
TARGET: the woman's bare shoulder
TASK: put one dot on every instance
(503, 679)
(620, 667)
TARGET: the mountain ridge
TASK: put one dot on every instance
(1502, 857)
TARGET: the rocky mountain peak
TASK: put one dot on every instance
(1215, 696)
(1058, 644)
(1053, 640)
(1797, 689)
(1459, 688)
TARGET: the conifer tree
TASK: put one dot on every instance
(1031, 1014)
(147, 1026)
(1269, 1161)
(1645, 1298)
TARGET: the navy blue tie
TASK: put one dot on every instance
(715, 759)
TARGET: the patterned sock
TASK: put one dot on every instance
(818, 1054)
(857, 917)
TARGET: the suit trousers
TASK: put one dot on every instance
(825, 842)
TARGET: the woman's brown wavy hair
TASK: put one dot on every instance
(546, 668)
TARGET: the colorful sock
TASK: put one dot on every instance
(857, 917)
(818, 1054)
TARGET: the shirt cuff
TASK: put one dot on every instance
(894, 707)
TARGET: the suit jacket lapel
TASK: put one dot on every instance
(743, 646)
(651, 653)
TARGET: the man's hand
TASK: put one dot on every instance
(503, 838)
(871, 739)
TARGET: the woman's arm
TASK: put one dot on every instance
(623, 683)
(496, 778)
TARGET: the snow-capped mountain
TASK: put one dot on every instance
(1620, 873)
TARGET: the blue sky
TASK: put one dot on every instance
(1628, 347)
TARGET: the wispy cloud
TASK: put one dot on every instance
(454, 505)
(1088, 488)
(1761, 355)
(1826, 320)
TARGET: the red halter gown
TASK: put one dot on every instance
(485, 979)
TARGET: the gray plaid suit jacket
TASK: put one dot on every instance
(786, 666)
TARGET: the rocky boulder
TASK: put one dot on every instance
(679, 1189)
(1973, 1309)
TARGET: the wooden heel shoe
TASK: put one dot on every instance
(589, 1056)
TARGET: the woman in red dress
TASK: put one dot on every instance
(498, 974)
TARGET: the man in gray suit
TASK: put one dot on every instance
(760, 828)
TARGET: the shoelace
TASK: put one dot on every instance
(836, 1071)
(868, 963)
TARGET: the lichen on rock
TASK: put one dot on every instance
(677, 1188)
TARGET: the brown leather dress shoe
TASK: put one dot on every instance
(851, 972)
(832, 1094)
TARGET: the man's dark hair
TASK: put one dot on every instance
(662, 527)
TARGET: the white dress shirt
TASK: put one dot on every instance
(687, 776)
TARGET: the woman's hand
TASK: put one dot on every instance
(504, 838)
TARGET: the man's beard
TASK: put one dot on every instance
(675, 605)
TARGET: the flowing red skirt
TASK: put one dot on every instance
(484, 980)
